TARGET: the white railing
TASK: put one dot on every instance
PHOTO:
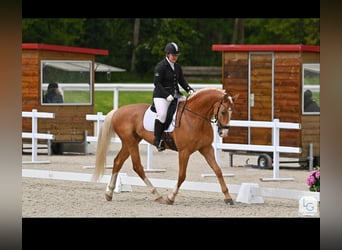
(275, 125)
(249, 194)
(34, 135)
(275, 147)
(116, 87)
(218, 145)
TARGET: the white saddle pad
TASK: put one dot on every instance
(149, 118)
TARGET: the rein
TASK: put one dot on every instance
(201, 116)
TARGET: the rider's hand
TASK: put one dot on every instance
(191, 91)
(170, 98)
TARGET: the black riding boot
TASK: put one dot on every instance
(158, 131)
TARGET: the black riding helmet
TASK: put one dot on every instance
(172, 48)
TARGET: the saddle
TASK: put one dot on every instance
(151, 114)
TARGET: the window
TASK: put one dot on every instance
(71, 79)
(311, 88)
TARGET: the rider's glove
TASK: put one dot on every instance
(191, 91)
(170, 98)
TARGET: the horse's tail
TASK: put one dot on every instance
(105, 134)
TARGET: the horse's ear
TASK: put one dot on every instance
(235, 97)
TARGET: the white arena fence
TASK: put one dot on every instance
(218, 145)
(139, 87)
(247, 192)
(275, 125)
(117, 87)
(34, 135)
(254, 193)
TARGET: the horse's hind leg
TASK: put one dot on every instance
(138, 168)
(119, 160)
(208, 153)
(110, 187)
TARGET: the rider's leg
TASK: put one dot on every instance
(161, 105)
(158, 131)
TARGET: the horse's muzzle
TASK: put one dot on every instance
(223, 130)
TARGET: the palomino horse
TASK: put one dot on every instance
(193, 132)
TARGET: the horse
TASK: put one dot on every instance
(193, 132)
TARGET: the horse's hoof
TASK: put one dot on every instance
(108, 197)
(160, 200)
(229, 201)
(169, 202)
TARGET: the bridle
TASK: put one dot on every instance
(215, 120)
(230, 111)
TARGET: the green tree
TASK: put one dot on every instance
(60, 31)
(113, 34)
(283, 31)
(137, 44)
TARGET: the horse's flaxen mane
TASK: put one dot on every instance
(223, 91)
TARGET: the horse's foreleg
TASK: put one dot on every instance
(183, 158)
(170, 199)
(158, 198)
(208, 153)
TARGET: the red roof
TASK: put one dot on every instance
(52, 47)
(266, 47)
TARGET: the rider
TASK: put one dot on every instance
(167, 75)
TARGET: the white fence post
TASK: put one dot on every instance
(116, 99)
(34, 139)
(35, 135)
(275, 138)
(99, 120)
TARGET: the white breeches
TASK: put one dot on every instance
(161, 105)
